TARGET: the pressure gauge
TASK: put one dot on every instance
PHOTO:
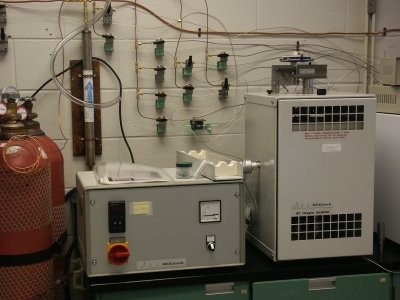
(210, 211)
(3, 108)
(22, 111)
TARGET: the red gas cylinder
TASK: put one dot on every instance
(26, 264)
(26, 244)
(55, 158)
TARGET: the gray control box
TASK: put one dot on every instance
(159, 226)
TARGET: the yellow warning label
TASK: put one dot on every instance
(141, 208)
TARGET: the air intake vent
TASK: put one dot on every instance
(386, 99)
(326, 226)
(327, 118)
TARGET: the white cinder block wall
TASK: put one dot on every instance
(34, 32)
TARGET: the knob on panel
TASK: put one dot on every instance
(118, 254)
(211, 246)
(210, 242)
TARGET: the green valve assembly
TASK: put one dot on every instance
(160, 100)
(109, 43)
(188, 93)
(161, 125)
(223, 92)
(159, 47)
(222, 64)
(187, 69)
(159, 74)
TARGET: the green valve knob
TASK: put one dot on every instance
(108, 47)
(160, 104)
(159, 52)
(187, 98)
(109, 43)
(161, 125)
(222, 64)
(187, 69)
(188, 93)
(160, 100)
(159, 47)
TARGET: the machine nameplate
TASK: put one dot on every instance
(332, 148)
(306, 71)
(161, 263)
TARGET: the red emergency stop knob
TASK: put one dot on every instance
(118, 254)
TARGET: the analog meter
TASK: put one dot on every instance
(210, 211)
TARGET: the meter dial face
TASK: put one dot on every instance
(3, 108)
(22, 111)
(210, 211)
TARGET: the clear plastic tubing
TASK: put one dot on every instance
(57, 49)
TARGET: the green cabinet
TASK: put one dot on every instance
(349, 287)
(218, 291)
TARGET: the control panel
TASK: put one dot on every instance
(159, 226)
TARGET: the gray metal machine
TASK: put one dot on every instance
(387, 172)
(313, 194)
(158, 226)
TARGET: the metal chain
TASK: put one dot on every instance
(85, 8)
(85, 12)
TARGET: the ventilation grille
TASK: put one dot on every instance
(326, 226)
(327, 118)
(386, 98)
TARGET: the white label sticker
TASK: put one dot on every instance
(13, 149)
(141, 208)
(331, 148)
(88, 95)
(307, 71)
(42, 152)
(161, 264)
(89, 114)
